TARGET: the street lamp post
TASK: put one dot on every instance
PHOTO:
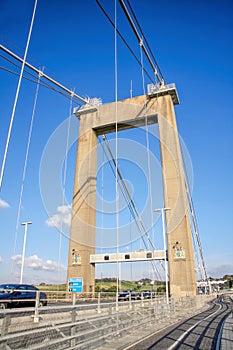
(25, 224)
(162, 210)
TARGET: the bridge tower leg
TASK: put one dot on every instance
(83, 224)
(132, 113)
(182, 277)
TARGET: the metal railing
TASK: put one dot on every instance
(87, 320)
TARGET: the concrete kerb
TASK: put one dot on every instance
(225, 342)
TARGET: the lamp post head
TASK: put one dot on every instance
(26, 223)
(162, 209)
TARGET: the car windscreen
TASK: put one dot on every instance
(7, 287)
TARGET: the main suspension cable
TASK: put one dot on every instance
(144, 38)
(44, 75)
(47, 85)
(17, 95)
(124, 41)
(140, 41)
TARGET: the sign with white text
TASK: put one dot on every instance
(75, 285)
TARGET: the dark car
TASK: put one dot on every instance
(127, 294)
(146, 294)
(13, 295)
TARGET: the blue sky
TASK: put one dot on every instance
(73, 41)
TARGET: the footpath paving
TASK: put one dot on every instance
(227, 334)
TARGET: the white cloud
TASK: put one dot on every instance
(36, 263)
(63, 217)
(4, 204)
(1, 260)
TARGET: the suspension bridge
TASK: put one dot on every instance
(178, 261)
(97, 120)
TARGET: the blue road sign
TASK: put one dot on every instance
(75, 285)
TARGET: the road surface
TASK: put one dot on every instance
(200, 332)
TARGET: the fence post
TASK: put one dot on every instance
(73, 299)
(110, 309)
(142, 303)
(5, 325)
(98, 309)
(130, 303)
(231, 300)
(73, 320)
(36, 317)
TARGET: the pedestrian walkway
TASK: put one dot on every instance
(227, 334)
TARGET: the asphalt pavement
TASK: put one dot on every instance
(227, 334)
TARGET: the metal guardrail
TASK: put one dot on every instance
(83, 324)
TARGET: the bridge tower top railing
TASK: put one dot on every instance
(161, 90)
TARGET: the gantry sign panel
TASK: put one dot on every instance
(132, 112)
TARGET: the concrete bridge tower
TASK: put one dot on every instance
(156, 107)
